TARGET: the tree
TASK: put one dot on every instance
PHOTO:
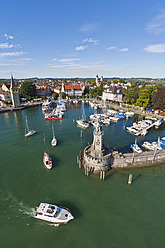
(55, 95)
(132, 93)
(144, 98)
(63, 95)
(158, 99)
(28, 89)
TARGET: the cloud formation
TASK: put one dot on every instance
(88, 27)
(157, 25)
(69, 60)
(80, 48)
(91, 40)
(7, 46)
(11, 54)
(111, 48)
(8, 37)
(157, 48)
(123, 50)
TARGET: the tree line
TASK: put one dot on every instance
(146, 96)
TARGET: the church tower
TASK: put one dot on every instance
(14, 94)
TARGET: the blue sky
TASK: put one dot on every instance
(75, 38)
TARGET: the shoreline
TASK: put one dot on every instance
(23, 106)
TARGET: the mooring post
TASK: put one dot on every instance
(87, 171)
(81, 134)
(154, 154)
(103, 174)
(80, 163)
(133, 157)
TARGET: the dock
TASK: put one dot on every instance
(145, 128)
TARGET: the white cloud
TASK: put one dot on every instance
(8, 37)
(54, 59)
(69, 60)
(111, 48)
(123, 50)
(80, 48)
(157, 48)
(157, 25)
(12, 54)
(88, 27)
(90, 40)
(6, 45)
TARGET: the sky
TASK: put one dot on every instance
(75, 38)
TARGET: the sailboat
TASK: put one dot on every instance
(27, 131)
(54, 141)
(82, 123)
(47, 159)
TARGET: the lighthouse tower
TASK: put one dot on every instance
(97, 141)
(97, 157)
(14, 94)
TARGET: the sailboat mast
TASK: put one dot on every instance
(26, 126)
(52, 130)
(44, 143)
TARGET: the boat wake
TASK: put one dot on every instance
(27, 210)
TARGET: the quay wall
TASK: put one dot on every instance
(143, 159)
(28, 105)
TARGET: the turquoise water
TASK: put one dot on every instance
(107, 213)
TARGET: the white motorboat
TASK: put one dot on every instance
(136, 148)
(47, 161)
(46, 158)
(54, 141)
(47, 105)
(82, 123)
(152, 145)
(53, 213)
(144, 132)
(27, 131)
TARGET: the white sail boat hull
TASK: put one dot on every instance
(30, 133)
(27, 131)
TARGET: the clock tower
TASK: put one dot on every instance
(14, 94)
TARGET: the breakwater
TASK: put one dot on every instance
(128, 160)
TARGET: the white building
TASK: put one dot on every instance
(112, 94)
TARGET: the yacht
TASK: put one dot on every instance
(28, 132)
(152, 145)
(47, 105)
(82, 123)
(53, 213)
(136, 148)
(47, 161)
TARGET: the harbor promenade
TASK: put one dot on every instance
(23, 106)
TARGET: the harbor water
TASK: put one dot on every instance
(107, 213)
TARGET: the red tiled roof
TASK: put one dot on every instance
(72, 87)
(58, 88)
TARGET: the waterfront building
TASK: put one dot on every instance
(112, 93)
(15, 97)
(70, 89)
(97, 157)
(5, 96)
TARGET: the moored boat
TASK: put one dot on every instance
(27, 131)
(53, 213)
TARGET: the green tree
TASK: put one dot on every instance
(63, 95)
(144, 98)
(55, 95)
(28, 89)
(132, 93)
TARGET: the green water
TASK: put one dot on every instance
(107, 213)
